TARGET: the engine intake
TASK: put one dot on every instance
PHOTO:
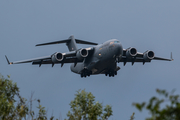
(148, 55)
(82, 53)
(57, 57)
(131, 52)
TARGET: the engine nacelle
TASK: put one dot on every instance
(57, 57)
(131, 52)
(82, 53)
(148, 55)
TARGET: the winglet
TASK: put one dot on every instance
(8, 61)
(171, 57)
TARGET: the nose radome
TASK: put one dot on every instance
(120, 49)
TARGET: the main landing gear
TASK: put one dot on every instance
(111, 73)
(86, 73)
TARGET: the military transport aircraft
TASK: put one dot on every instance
(99, 59)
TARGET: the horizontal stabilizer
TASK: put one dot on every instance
(85, 42)
(56, 42)
(66, 41)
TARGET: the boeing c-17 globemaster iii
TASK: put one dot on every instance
(99, 59)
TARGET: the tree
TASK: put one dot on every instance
(169, 112)
(15, 107)
(12, 109)
(8, 91)
(84, 107)
(132, 116)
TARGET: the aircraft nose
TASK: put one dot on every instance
(119, 48)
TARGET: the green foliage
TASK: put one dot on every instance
(108, 112)
(169, 112)
(132, 116)
(8, 91)
(84, 106)
(11, 109)
(42, 112)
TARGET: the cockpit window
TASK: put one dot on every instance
(116, 41)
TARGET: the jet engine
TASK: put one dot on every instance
(148, 55)
(82, 53)
(57, 57)
(131, 52)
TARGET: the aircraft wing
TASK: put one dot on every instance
(29, 60)
(140, 57)
(155, 58)
(69, 57)
(45, 59)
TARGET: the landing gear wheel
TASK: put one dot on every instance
(111, 73)
(86, 73)
(115, 72)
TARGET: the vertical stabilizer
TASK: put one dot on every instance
(71, 43)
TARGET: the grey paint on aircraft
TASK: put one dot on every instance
(100, 59)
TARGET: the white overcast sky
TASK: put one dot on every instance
(143, 24)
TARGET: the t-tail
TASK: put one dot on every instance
(70, 42)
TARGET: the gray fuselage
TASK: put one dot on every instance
(102, 59)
